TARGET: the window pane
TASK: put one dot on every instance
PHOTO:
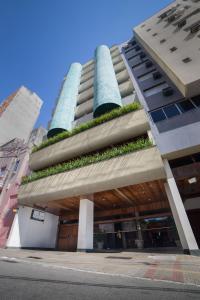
(171, 111)
(196, 100)
(155, 90)
(158, 115)
(185, 105)
(145, 77)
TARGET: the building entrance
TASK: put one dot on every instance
(67, 237)
(156, 232)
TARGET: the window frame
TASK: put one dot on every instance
(35, 218)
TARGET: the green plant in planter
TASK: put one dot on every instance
(115, 113)
(89, 159)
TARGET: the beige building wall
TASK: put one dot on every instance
(175, 45)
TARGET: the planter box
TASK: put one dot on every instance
(137, 167)
(117, 130)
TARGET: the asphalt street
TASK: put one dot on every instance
(24, 281)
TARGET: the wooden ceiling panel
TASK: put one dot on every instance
(135, 196)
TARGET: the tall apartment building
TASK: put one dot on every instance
(14, 164)
(18, 115)
(120, 169)
(23, 108)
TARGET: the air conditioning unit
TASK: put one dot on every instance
(168, 91)
(164, 15)
(195, 28)
(149, 64)
(182, 23)
(171, 18)
(157, 75)
(142, 55)
(133, 43)
(137, 48)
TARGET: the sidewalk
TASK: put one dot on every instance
(168, 267)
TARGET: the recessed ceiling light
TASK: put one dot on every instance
(192, 180)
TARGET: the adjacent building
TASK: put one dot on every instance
(19, 113)
(121, 168)
(23, 108)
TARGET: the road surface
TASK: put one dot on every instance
(24, 281)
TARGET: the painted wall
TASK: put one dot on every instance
(29, 233)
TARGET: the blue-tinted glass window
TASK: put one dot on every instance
(158, 115)
(185, 105)
(171, 111)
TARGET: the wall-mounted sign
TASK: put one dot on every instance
(37, 215)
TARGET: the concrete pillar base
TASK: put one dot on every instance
(186, 235)
(86, 223)
(85, 250)
(191, 252)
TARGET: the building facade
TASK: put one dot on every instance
(120, 169)
(23, 108)
(18, 114)
(14, 164)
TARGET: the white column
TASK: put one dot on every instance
(86, 224)
(139, 229)
(185, 232)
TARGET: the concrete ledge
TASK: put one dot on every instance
(117, 130)
(137, 167)
(119, 67)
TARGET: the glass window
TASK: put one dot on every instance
(158, 115)
(185, 105)
(196, 100)
(171, 111)
(155, 90)
(145, 77)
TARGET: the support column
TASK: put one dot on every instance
(139, 241)
(185, 232)
(86, 224)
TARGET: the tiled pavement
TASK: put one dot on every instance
(152, 266)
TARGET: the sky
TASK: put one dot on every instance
(39, 39)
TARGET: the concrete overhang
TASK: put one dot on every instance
(134, 168)
(114, 131)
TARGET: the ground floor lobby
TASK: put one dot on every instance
(153, 231)
(145, 216)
